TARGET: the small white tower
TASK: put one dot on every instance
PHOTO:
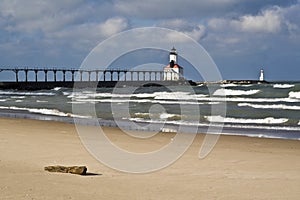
(173, 55)
(261, 77)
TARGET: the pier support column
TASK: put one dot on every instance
(36, 75)
(17, 74)
(97, 75)
(125, 79)
(54, 73)
(118, 76)
(104, 74)
(73, 75)
(89, 73)
(131, 76)
(80, 75)
(46, 73)
(64, 75)
(26, 75)
(111, 75)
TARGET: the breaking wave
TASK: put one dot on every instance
(273, 106)
(155, 95)
(242, 126)
(43, 111)
(234, 85)
(295, 95)
(27, 93)
(268, 120)
(158, 115)
(141, 101)
(283, 86)
(229, 92)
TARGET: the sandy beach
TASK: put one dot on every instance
(237, 168)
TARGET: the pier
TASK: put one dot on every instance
(48, 78)
(99, 75)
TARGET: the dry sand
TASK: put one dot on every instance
(237, 168)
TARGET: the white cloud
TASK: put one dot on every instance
(88, 35)
(218, 24)
(193, 30)
(269, 21)
(197, 33)
(29, 16)
(113, 26)
(56, 23)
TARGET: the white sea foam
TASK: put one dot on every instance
(294, 95)
(178, 96)
(268, 120)
(234, 85)
(229, 85)
(184, 97)
(18, 101)
(17, 97)
(299, 123)
(283, 86)
(27, 93)
(57, 88)
(229, 92)
(166, 115)
(3, 100)
(241, 126)
(75, 102)
(40, 101)
(44, 111)
(81, 95)
(143, 101)
(141, 114)
(155, 95)
(268, 106)
(68, 94)
(242, 99)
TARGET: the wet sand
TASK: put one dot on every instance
(237, 168)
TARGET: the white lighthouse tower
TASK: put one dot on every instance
(261, 77)
(173, 55)
(173, 72)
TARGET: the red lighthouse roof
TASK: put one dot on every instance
(175, 66)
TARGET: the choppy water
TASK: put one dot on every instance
(267, 110)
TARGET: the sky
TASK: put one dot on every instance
(241, 36)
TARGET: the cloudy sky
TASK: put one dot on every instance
(241, 36)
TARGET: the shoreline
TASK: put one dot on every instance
(244, 132)
(231, 131)
(237, 168)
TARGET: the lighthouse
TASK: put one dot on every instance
(173, 71)
(261, 77)
(173, 55)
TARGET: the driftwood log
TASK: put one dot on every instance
(81, 170)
